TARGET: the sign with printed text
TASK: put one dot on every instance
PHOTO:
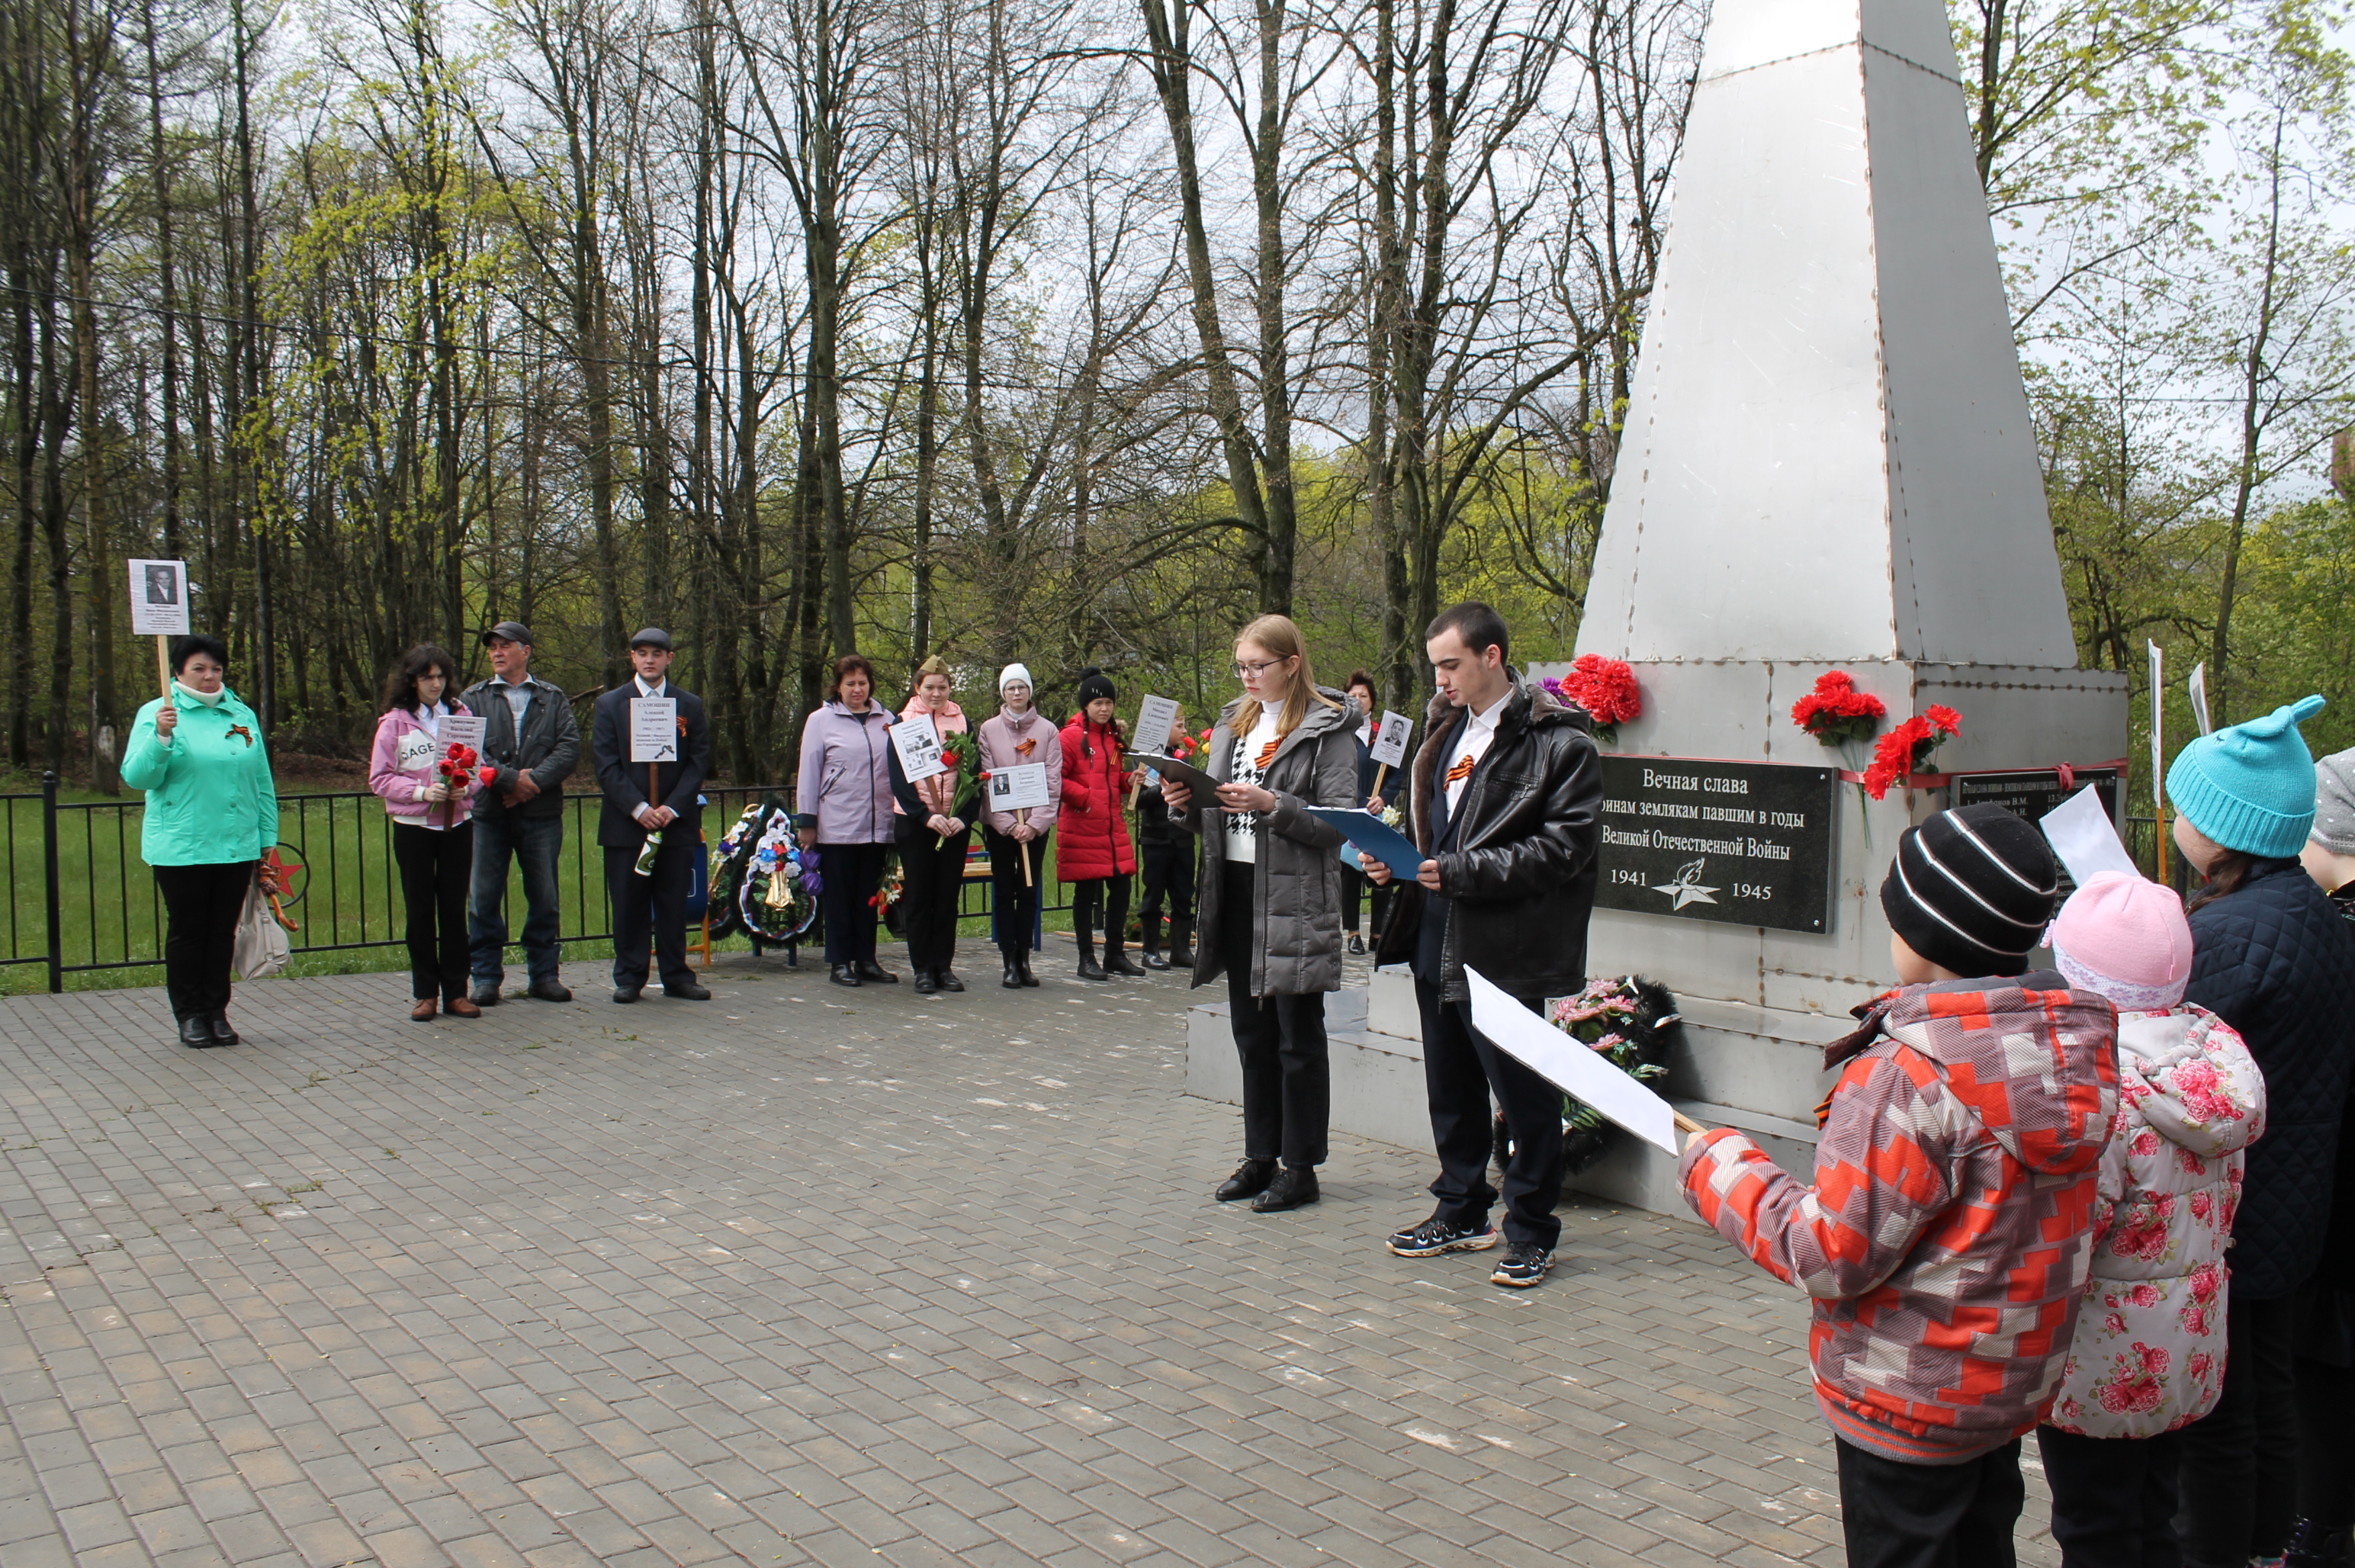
(1154, 715)
(1388, 746)
(654, 730)
(2037, 794)
(918, 745)
(1017, 789)
(1732, 842)
(159, 598)
(467, 729)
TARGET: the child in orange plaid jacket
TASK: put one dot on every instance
(1947, 1240)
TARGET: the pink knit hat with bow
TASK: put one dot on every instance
(2125, 936)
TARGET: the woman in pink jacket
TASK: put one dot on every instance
(432, 832)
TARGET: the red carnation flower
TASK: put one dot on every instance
(1835, 712)
(1905, 749)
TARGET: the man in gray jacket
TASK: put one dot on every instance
(533, 741)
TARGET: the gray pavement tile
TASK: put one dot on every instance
(798, 1277)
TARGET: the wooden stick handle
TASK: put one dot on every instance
(164, 667)
(1686, 1125)
(1022, 849)
(1380, 774)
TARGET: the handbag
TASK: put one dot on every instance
(262, 949)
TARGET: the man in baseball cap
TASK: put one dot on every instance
(532, 741)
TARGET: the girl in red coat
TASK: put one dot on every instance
(1091, 847)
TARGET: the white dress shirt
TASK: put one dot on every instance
(1479, 734)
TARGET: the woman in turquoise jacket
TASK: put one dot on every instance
(212, 813)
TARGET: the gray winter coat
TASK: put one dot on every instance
(1298, 889)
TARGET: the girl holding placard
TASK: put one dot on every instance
(935, 825)
(1019, 737)
(433, 832)
(1096, 855)
(1270, 896)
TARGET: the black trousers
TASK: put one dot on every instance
(2113, 1498)
(2326, 1393)
(1287, 1075)
(1012, 902)
(848, 875)
(437, 866)
(2239, 1472)
(652, 908)
(935, 868)
(1460, 1068)
(201, 904)
(1101, 903)
(1168, 872)
(1383, 896)
(1897, 1515)
(1353, 890)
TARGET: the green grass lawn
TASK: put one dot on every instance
(108, 912)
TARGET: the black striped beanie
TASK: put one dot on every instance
(1971, 890)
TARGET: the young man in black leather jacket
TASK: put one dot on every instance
(1505, 791)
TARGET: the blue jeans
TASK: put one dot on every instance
(533, 841)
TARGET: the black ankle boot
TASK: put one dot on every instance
(1151, 954)
(1294, 1186)
(1181, 945)
(1013, 981)
(1116, 957)
(2312, 1545)
(1089, 968)
(1022, 957)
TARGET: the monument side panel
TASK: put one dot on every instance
(1976, 577)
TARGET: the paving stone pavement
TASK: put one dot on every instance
(802, 1274)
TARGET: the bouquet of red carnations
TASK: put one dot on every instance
(1904, 750)
(1835, 712)
(457, 768)
(1605, 688)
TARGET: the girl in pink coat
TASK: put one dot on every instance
(432, 831)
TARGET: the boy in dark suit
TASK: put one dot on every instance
(652, 906)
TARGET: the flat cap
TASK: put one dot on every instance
(651, 637)
(512, 631)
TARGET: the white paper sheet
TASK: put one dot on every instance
(654, 728)
(1570, 1064)
(159, 598)
(2085, 839)
(2197, 687)
(1154, 715)
(1020, 788)
(2158, 732)
(470, 730)
(918, 745)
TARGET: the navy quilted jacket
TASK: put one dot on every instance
(2275, 961)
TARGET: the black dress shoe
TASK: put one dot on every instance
(546, 990)
(844, 975)
(1357, 945)
(625, 993)
(1293, 1186)
(222, 1033)
(924, 984)
(1151, 958)
(946, 980)
(197, 1032)
(1250, 1179)
(870, 970)
(487, 996)
(690, 992)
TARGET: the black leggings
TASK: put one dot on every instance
(2239, 1484)
(934, 869)
(1089, 900)
(437, 867)
(202, 905)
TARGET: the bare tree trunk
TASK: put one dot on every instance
(87, 55)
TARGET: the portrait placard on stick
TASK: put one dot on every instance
(654, 730)
(1021, 788)
(467, 729)
(918, 745)
(1388, 746)
(1154, 715)
(159, 598)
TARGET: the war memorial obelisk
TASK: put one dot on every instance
(1827, 464)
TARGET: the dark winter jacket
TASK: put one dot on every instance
(2276, 962)
(548, 746)
(1296, 923)
(1518, 885)
(1093, 840)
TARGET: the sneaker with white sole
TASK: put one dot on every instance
(1436, 1236)
(1523, 1265)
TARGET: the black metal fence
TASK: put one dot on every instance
(97, 910)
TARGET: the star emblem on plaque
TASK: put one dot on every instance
(1687, 889)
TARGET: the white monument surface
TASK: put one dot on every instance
(1828, 464)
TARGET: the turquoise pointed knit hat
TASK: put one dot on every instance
(2250, 787)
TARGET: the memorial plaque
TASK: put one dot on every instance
(2032, 796)
(1736, 843)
